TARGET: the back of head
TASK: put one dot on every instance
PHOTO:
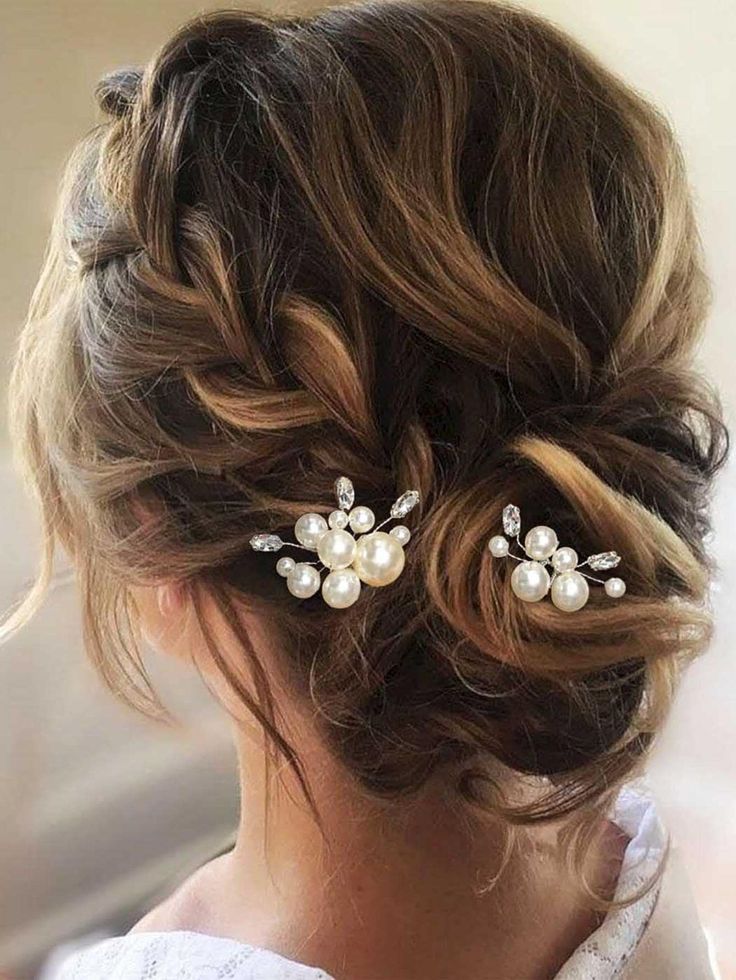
(420, 244)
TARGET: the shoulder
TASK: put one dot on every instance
(185, 909)
(171, 942)
(674, 944)
(180, 956)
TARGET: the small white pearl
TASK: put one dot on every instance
(284, 566)
(570, 591)
(540, 542)
(303, 580)
(341, 588)
(379, 559)
(336, 549)
(401, 533)
(615, 587)
(362, 519)
(564, 559)
(530, 581)
(498, 546)
(309, 529)
(338, 520)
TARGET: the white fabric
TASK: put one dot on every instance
(195, 956)
(605, 953)
(181, 956)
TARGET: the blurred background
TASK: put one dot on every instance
(101, 811)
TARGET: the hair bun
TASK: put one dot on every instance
(117, 91)
(302, 254)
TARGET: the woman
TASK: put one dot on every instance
(422, 247)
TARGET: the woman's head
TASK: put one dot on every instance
(420, 244)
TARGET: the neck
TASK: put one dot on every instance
(381, 891)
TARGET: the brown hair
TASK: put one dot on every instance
(421, 244)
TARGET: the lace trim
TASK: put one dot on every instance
(181, 956)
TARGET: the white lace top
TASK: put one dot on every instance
(195, 956)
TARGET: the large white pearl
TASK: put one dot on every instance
(498, 546)
(570, 591)
(309, 529)
(338, 519)
(285, 565)
(336, 548)
(540, 542)
(362, 519)
(401, 533)
(303, 580)
(341, 588)
(564, 559)
(615, 587)
(530, 581)
(379, 559)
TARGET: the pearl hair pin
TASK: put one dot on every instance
(531, 581)
(374, 557)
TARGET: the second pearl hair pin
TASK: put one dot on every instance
(531, 579)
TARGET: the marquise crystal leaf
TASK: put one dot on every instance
(266, 542)
(604, 561)
(345, 493)
(511, 520)
(406, 502)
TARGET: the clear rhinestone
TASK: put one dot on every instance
(511, 520)
(345, 493)
(266, 542)
(604, 561)
(406, 502)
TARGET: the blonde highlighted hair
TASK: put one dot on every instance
(427, 244)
